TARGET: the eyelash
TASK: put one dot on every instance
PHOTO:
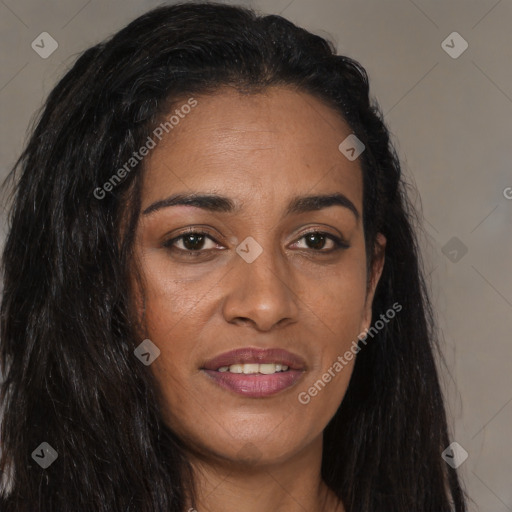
(338, 242)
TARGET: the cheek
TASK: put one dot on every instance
(174, 315)
(173, 312)
(173, 294)
(338, 303)
(338, 300)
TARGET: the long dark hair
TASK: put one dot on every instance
(67, 335)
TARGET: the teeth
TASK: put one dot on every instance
(251, 368)
(268, 368)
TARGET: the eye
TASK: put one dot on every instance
(191, 242)
(316, 240)
(194, 242)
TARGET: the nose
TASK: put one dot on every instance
(261, 293)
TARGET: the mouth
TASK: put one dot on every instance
(255, 373)
(252, 368)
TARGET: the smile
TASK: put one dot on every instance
(251, 368)
(255, 373)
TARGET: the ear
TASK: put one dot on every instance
(376, 272)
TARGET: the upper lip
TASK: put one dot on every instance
(256, 355)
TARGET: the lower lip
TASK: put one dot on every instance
(255, 385)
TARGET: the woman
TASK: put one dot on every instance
(212, 293)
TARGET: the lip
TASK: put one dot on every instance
(255, 385)
(256, 355)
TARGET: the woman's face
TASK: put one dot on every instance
(256, 276)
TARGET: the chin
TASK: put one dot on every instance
(256, 449)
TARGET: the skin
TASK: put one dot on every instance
(260, 150)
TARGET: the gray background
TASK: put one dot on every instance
(451, 120)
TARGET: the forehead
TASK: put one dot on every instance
(276, 143)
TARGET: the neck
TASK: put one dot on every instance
(292, 485)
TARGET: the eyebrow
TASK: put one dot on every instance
(223, 204)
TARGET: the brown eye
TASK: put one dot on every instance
(317, 240)
(193, 241)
